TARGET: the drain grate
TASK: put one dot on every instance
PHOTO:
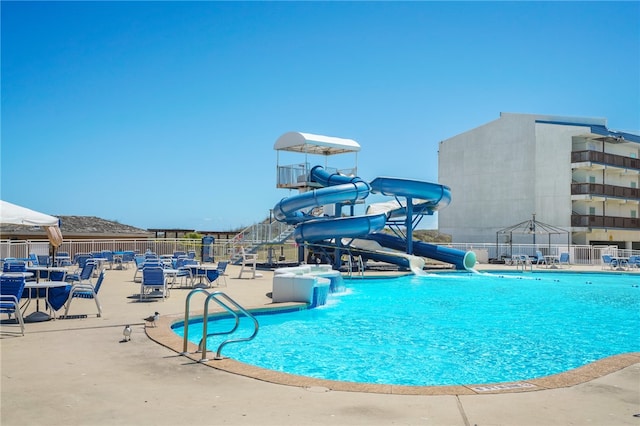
(507, 386)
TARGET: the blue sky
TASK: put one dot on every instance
(164, 115)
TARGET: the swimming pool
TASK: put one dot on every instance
(447, 329)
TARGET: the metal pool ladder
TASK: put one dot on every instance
(224, 301)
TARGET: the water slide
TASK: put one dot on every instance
(340, 189)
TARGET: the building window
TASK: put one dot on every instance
(592, 179)
(633, 184)
(634, 214)
(592, 211)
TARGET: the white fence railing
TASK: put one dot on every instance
(223, 249)
(578, 254)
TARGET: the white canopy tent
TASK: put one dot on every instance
(16, 215)
(315, 144)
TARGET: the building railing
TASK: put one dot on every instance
(605, 158)
(605, 190)
(593, 221)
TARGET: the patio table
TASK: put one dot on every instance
(39, 316)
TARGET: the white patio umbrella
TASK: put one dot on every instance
(17, 215)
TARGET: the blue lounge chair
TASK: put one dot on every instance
(14, 266)
(11, 289)
(85, 291)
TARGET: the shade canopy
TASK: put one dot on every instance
(13, 214)
(315, 144)
(532, 227)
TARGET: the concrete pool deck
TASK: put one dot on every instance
(79, 372)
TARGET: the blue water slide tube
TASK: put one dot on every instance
(463, 260)
(342, 227)
(435, 195)
(290, 210)
(320, 175)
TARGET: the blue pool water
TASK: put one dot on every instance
(447, 329)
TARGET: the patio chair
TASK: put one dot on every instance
(153, 281)
(82, 275)
(608, 262)
(248, 263)
(107, 254)
(81, 258)
(211, 276)
(11, 289)
(564, 259)
(222, 267)
(84, 291)
(634, 261)
(62, 259)
(127, 258)
(539, 258)
(138, 259)
(33, 260)
(184, 272)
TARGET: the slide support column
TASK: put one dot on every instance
(409, 225)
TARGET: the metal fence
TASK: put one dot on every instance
(220, 249)
(273, 253)
(578, 254)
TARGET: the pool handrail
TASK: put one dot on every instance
(202, 345)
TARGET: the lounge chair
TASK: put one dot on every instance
(85, 291)
(153, 281)
(11, 289)
(14, 266)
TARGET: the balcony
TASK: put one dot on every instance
(592, 221)
(604, 159)
(601, 190)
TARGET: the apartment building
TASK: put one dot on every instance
(571, 172)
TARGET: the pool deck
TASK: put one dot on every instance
(79, 372)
